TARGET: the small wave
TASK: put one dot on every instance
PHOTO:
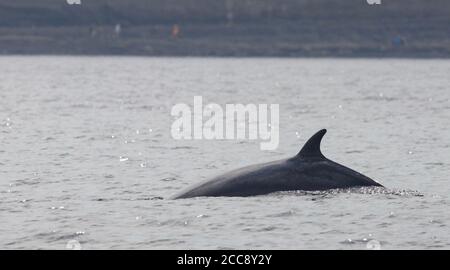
(182, 147)
(282, 214)
(169, 179)
(380, 98)
(156, 198)
(435, 163)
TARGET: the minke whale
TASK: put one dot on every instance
(309, 170)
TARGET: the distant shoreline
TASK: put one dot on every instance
(228, 28)
(405, 57)
(219, 40)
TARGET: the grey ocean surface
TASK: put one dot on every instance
(86, 153)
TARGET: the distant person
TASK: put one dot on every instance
(398, 41)
(175, 31)
(118, 29)
(92, 31)
(230, 18)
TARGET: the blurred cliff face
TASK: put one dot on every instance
(138, 12)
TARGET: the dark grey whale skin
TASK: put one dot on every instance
(309, 170)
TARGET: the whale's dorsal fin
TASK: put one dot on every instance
(311, 149)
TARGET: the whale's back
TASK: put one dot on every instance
(309, 170)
